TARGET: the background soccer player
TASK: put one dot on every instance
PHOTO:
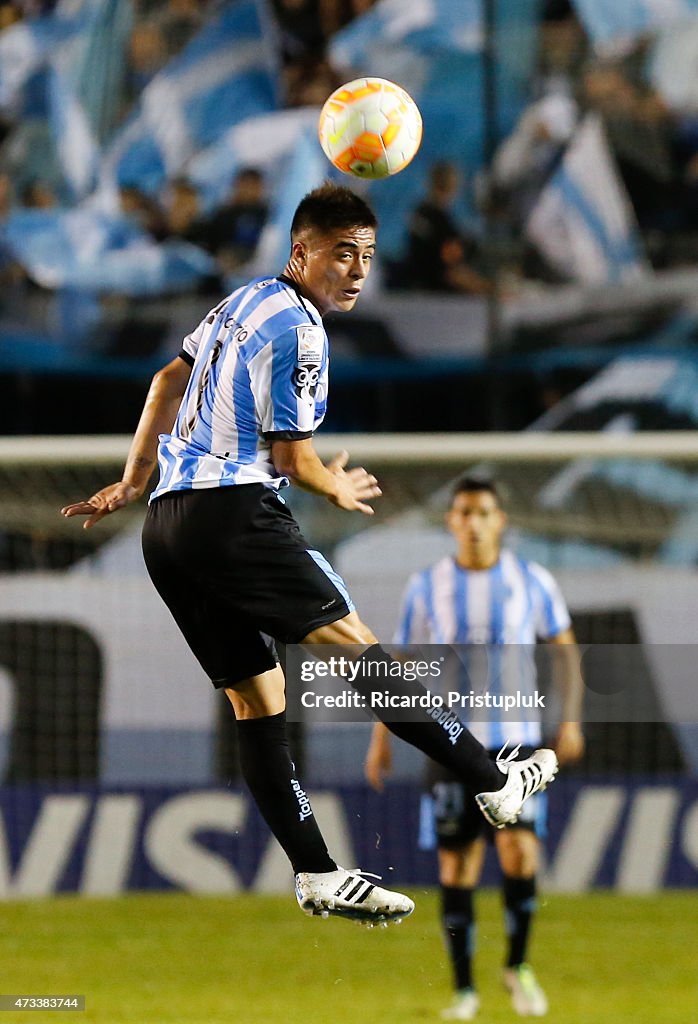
(231, 420)
(488, 595)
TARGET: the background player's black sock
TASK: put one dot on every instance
(519, 907)
(458, 921)
(447, 741)
(270, 775)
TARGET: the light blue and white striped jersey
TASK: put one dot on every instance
(512, 604)
(259, 373)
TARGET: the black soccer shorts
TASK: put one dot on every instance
(450, 819)
(234, 569)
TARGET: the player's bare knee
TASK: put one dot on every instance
(518, 853)
(460, 868)
(259, 696)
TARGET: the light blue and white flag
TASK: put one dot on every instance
(305, 169)
(265, 142)
(223, 76)
(73, 135)
(434, 50)
(612, 23)
(672, 66)
(583, 222)
(423, 26)
(92, 251)
(27, 47)
(84, 89)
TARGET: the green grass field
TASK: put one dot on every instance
(257, 960)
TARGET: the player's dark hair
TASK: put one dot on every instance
(474, 484)
(332, 207)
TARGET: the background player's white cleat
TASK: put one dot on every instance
(527, 997)
(464, 1006)
(346, 894)
(524, 778)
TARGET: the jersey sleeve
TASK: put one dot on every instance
(551, 614)
(285, 377)
(413, 627)
(190, 345)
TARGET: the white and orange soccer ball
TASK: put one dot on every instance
(370, 128)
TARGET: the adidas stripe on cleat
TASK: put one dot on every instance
(524, 778)
(346, 894)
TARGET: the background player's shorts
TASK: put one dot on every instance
(234, 569)
(450, 818)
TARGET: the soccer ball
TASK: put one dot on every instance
(370, 128)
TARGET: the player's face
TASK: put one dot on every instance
(477, 523)
(334, 266)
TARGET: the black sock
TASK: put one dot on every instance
(459, 929)
(270, 775)
(446, 741)
(519, 908)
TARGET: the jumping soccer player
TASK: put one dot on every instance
(486, 595)
(234, 413)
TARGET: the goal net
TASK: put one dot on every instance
(96, 684)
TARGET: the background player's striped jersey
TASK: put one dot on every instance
(259, 373)
(506, 607)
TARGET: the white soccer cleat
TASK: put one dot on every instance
(346, 894)
(464, 1006)
(527, 997)
(524, 778)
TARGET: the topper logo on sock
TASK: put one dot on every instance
(448, 721)
(306, 810)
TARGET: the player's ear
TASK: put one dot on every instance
(299, 251)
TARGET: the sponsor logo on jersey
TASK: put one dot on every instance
(305, 382)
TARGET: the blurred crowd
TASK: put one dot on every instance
(652, 135)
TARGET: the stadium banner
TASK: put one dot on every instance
(632, 836)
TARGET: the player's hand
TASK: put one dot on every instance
(355, 486)
(379, 763)
(101, 504)
(569, 743)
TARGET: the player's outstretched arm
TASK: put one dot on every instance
(569, 742)
(347, 489)
(159, 412)
(379, 757)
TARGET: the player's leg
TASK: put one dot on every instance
(259, 704)
(460, 831)
(518, 850)
(449, 742)
(322, 888)
(459, 874)
(220, 560)
(458, 826)
(178, 535)
(292, 593)
(504, 784)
